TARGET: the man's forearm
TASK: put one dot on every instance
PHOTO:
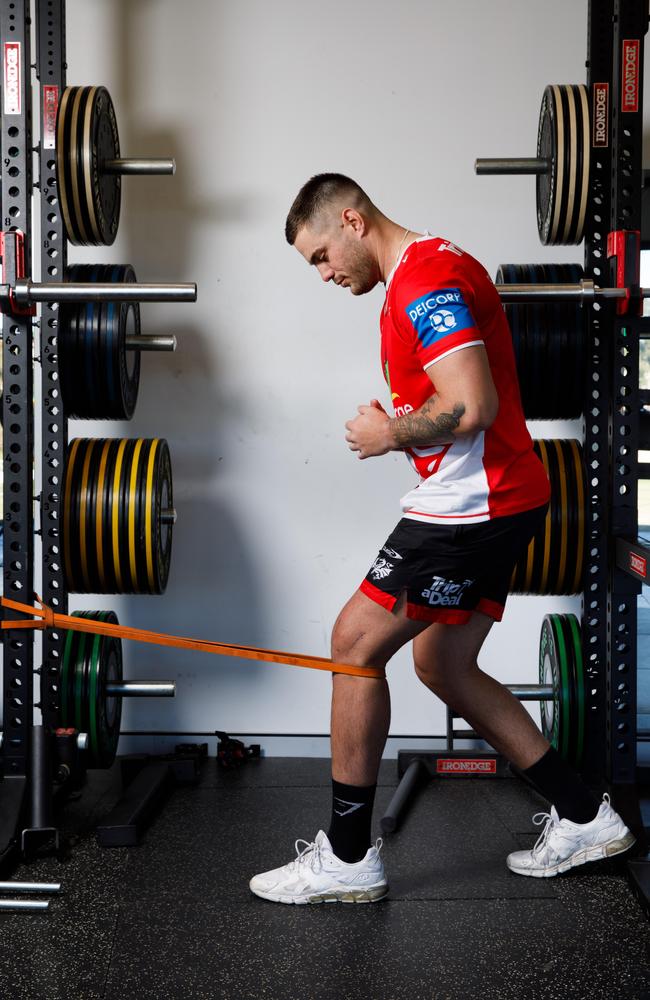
(430, 425)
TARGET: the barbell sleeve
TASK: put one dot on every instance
(138, 166)
(168, 516)
(27, 292)
(512, 166)
(142, 689)
(150, 342)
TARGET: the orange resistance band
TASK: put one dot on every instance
(46, 618)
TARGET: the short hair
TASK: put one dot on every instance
(318, 194)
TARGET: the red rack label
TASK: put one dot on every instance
(630, 75)
(12, 78)
(600, 127)
(50, 108)
(638, 564)
(458, 765)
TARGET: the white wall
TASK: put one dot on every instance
(277, 520)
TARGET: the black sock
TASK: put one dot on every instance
(349, 832)
(562, 786)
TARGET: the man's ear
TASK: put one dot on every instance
(353, 220)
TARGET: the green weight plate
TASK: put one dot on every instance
(579, 683)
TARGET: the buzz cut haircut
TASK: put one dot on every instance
(317, 195)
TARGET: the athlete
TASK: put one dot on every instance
(442, 577)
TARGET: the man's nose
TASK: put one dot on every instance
(326, 272)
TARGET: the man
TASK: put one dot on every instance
(442, 577)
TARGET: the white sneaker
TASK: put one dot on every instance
(318, 876)
(563, 844)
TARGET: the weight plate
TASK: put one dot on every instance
(546, 185)
(563, 139)
(86, 137)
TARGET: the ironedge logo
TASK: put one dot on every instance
(50, 108)
(630, 71)
(638, 564)
(600, 125)
(12, 78)
(459, 765)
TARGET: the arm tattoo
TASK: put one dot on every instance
(421, 428)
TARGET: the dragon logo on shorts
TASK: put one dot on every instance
(391, 552)
(444, 593)
(381, 568)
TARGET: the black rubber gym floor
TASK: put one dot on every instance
(174, 918)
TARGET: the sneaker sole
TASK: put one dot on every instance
(598, 853)
(372, 895)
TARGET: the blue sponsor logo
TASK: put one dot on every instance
(438, 314)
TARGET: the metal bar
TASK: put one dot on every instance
(142, 689)
(629, 27)
(531, 692)
(23, 904)
(527, 165)
(136, 166)
(150, 342)
(27, 292)
(16, 186)
(53, 256)
(168, 516)
(44, 887)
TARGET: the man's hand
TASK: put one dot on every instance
(369, 434)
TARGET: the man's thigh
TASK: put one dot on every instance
(441, 648)
(366, 633)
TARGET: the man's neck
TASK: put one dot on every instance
(393, 241)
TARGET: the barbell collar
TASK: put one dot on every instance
(27, 291)
(138, 166)
(142, 689)
(24, 904)
(151, 342)
(527, 165)
(44, 887)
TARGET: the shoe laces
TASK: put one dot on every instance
(553, 827)
(310, 855)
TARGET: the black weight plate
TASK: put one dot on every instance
(78, 172)
(100, 143)
(546, 183)
(164, 500)
(66, 161)
(566, 98)
(124, 321)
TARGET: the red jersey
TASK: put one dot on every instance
(440, 300)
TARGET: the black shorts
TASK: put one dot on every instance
(450, 570)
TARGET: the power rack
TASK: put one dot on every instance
(39, 763)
